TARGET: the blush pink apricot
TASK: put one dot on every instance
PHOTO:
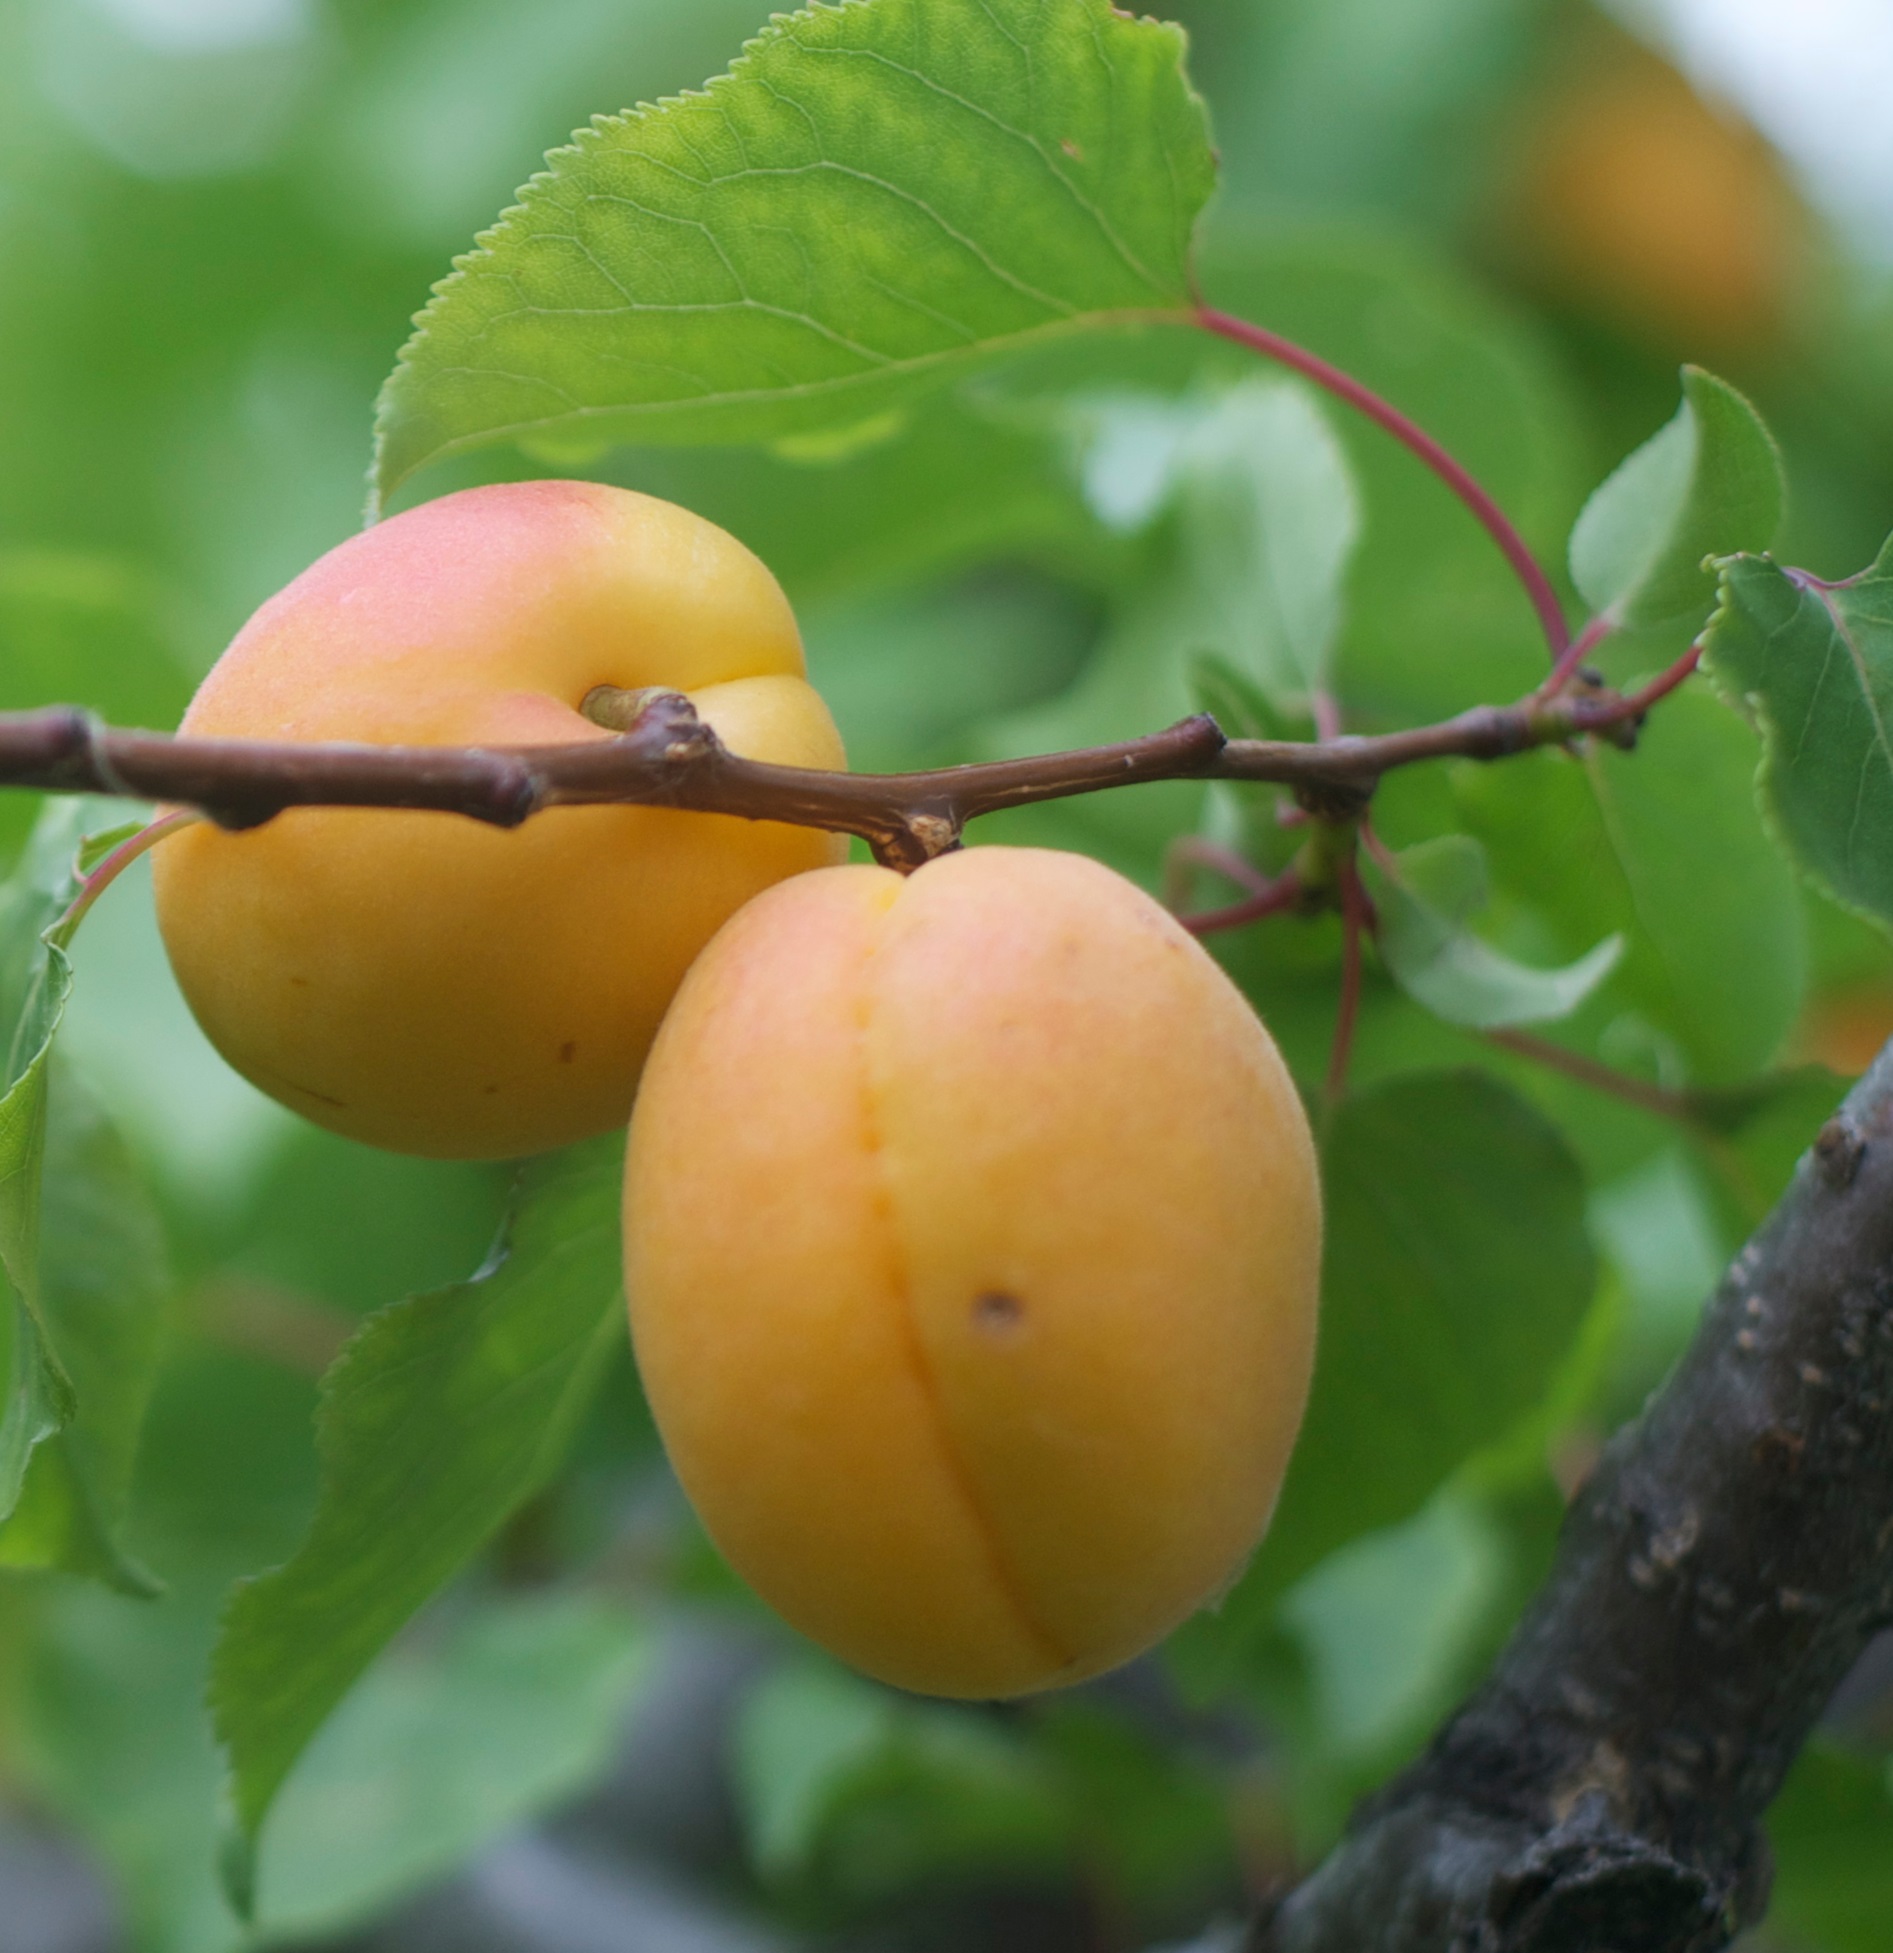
(421, 981)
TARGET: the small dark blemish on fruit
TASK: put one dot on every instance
(492, 1091)
(321, 1098)
(996, 1312)
(568, 1051)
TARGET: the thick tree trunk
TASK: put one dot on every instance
(1728, 1561)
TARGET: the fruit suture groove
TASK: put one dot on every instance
(900, 1285)
(991, 1298)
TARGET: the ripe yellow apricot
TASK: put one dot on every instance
(421, 981)
(1636, 199)
(972, 1235)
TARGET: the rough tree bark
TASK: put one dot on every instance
(1726, 1563)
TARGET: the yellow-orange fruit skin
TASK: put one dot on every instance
(972, 1234)
(1636, 199)
(428, 983)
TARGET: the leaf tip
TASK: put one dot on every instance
(236, 1864)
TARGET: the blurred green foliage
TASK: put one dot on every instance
(218, 217)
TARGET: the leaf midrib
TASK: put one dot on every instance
(799, 390)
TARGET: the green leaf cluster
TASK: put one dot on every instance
(902, 300)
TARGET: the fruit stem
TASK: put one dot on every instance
(616, 709)
(1581, 647)
(1355, 916)
(1189, 852)
(92, 886)
(1620, 1085)
(1413, 437)
(1284, 892)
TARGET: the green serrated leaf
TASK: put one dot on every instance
(1718, 951)
(82, 1278)
(1459, 1272)
(81, 1251)
(1665, 847)
(875, 197)
(513, 1707)
(35, 982)
(1811, 664)
(1709, 484)
(444, 1414)
(1425, 908)
(103, 1291)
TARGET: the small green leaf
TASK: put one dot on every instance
(1385, 1623)
(875, 197)
(1264, 509)
(82, 1287)
(1811, 664)
(1412, 326)
(103, 1290)
(1268, 519)
(442, 1416)
(1666, 847)
(1250, 568)
(1458, 1272)
(1718, 951)
(35, 982)
(1708, 484)
(1458, 1275)
(869, 1793)
(1425, 908)
(95, 847)
(804, 1733)
(509, 1710)
(1240, 706)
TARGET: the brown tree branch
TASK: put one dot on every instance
(1717, 1577)
(668, 757)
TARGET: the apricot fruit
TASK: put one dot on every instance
(1637, 201)
(972, 1234)
(422, 981)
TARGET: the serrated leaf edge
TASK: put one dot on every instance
(596, 129)
(1753, 707)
